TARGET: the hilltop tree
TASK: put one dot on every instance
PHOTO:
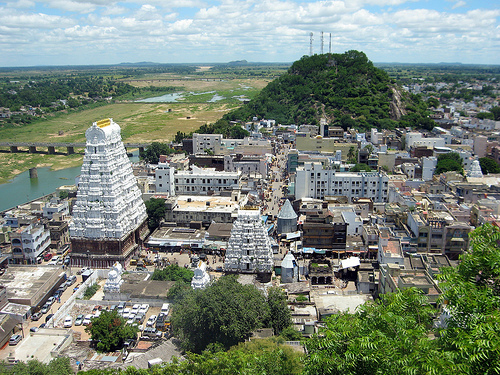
(109, 330)
(489, 165)
(153, 152)
(449, 162)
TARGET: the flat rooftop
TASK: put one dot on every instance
(25, 282)
(206, 203)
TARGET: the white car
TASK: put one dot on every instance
(86, 320)
(151, 321)
(68, 322)
(144, 308)
(96, 314)
(126, 313)
(135, 308)
(131, 320)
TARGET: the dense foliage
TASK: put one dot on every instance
(109, 330)
(155, 208)
(225, 313)
(258, 357)
(153, 152)
(449, 162)
(90, 291)
(344, 88)
(173, 273)
(58, 366)
(489, 165)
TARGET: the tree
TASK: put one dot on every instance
(173, 273)
(388, 336)
(449, 162)
(155, 208)
(489, 165)
(225, 312)
(369, 148)
(471, 293)
(360, 167)
(109, 330)
(153, 152)
(280, 316)
(352, 155)
(57, 366)
(496, 113)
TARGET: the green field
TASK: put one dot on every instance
(140, 122)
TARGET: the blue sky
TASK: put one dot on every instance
(86, 32)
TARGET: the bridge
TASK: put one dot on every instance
(51, 147)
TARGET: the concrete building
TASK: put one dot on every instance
(289, 269)
(204, 181)
(312, 181)
(109, 216)
(164, 179)
(246, 164)
(202, 142)
(428, 167)
(249, 248)
(389, 250)
(29, 242)
(55, 206)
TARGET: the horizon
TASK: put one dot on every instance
(93, 32)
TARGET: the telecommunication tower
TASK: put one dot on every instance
(322, 42)
(310, 44)
(330, 46)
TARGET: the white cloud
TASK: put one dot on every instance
(459, 4)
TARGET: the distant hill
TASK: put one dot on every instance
(346, 89)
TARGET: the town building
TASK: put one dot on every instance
(29, 242)
(287, 219)
(109, 217)
(313, 181)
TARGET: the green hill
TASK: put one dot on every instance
(346, 89)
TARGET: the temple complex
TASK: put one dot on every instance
(109, 215)
(249, 247)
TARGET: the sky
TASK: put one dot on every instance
(90, 32)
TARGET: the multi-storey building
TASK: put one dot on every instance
(205, 181)
(109, 216)
(203, 142)
(55, 206)
(246, 164)
(29, 242)
(312, 181)
(324, 230)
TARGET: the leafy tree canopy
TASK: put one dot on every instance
(58, 366)
(488, 166)
(109, 330)
(224, 313)
(360, 167)
(173, 273)
(155, 208)
(153, 152)
(449, 162)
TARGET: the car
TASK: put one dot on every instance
(48, 317)
(79, 320)
(144, 308)
(131, 321)
(96, 314)
(126, 313)
(57, 294)
(34, 329)
(68, 322)
(71, 279)
(42, 325)
(45, 308)
(151, 321)
(139, 318)
(149, 331)
(36, 316)
(112, 307)
(15, 339)
(87, 319)
(135, 308)
(51, 301)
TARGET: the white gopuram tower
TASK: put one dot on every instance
(249, 248)
(109, 215)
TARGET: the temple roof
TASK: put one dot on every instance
(287, 211)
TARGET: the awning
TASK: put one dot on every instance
(308, 250)
(349, 262)
(319, 251)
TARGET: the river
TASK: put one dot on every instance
(22, 189)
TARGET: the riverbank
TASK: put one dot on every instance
(11, 165)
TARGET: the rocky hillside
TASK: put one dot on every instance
(346, 89)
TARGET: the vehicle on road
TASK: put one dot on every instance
(15, 339)
(45, 308)
(34, 329)
(51, 301)
(36, 316)
(48, 317)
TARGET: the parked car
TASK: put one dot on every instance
(51, 301)
(48, 317)
(126, 313)
(45, 308)
(151, 321)
(68, 322)
(144, 308)
(72, 279)
(34, 329)
(135, 308)
(149, 331)
(86, 320)
(36, 316)
(15, 339)
(79, 320)
(139, 318)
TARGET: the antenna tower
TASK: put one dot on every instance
(330, 46)
(310, 44)
(322, 42)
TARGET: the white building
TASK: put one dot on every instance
(249, 247)
(202, 142)
(55, 206)
(29, 242)
(204, 180)
(428, 167)
(246, 164)
(109, 215)
(312, 181)
(415, 139)
(164, 179)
